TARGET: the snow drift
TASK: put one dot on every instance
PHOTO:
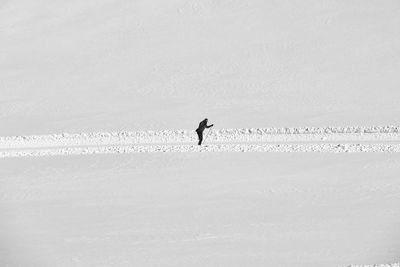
(307, 139)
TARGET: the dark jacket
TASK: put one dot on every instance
(203, 125)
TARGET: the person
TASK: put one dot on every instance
(200, 130)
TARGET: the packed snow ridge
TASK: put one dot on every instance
(377, 265)
(306, 139)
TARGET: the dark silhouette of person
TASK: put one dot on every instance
(200, 130)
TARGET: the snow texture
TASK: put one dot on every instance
(197, 209)
(101, 73)
(329, 139)
(377, 265)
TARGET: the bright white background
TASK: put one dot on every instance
(73, 66)
(109, 65)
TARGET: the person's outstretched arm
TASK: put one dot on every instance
(209, 126)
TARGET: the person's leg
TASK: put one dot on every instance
(200, 134)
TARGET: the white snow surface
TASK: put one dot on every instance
(377, 265)
(200, 209)
(328, 139)
(106, 65)
(103, 72)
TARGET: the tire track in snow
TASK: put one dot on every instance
(306, 139)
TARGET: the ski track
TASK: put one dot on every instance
(306, 139)
(377, 265)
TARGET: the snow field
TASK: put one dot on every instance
(377, 265)
(288, 148)
(200, 209)
(329, 139)
(94, 67)
(354, 133)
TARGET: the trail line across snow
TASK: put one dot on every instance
(306, 139)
